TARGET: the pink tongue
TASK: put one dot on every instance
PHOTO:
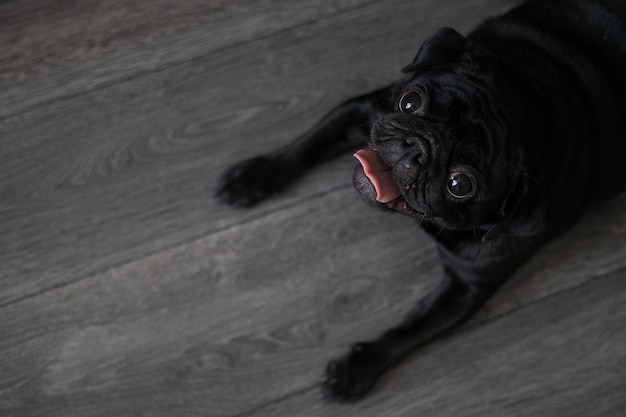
(379, 174)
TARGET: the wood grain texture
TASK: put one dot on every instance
(208, 319)
(53, 48)
(125, 290)
(545, 359)
(248, 316)
(107, 176)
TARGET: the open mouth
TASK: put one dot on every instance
(380, 175)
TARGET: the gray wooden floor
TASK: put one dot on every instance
(125, 290)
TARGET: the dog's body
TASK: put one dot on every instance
(495, 143)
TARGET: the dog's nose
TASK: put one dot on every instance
(418, 152)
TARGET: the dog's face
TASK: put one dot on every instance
(438, 150)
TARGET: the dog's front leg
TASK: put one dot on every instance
(345, 128)
(352, 375)
(468, 282)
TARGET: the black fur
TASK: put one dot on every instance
(530, 108)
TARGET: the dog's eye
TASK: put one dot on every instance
(460, 186)
(410, 103)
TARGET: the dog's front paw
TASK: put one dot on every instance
(251, 181)
(350, 377)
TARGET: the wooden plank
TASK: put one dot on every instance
(562, 356)
(223, 324)
(128, 291)
(52, 49)
(102, 178)
(248, 316)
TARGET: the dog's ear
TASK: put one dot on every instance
(444, 45)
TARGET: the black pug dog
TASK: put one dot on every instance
(494, 143)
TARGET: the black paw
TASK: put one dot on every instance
(350, 377)
(250, 181)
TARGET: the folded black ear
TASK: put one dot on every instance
(443, 46)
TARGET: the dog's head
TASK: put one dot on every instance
(439, 147)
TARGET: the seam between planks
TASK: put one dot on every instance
(169, 65)
(459, 331)
(115, 265)
(277, 400)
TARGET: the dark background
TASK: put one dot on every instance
(126, 290)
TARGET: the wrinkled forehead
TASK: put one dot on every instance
(440, 80)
